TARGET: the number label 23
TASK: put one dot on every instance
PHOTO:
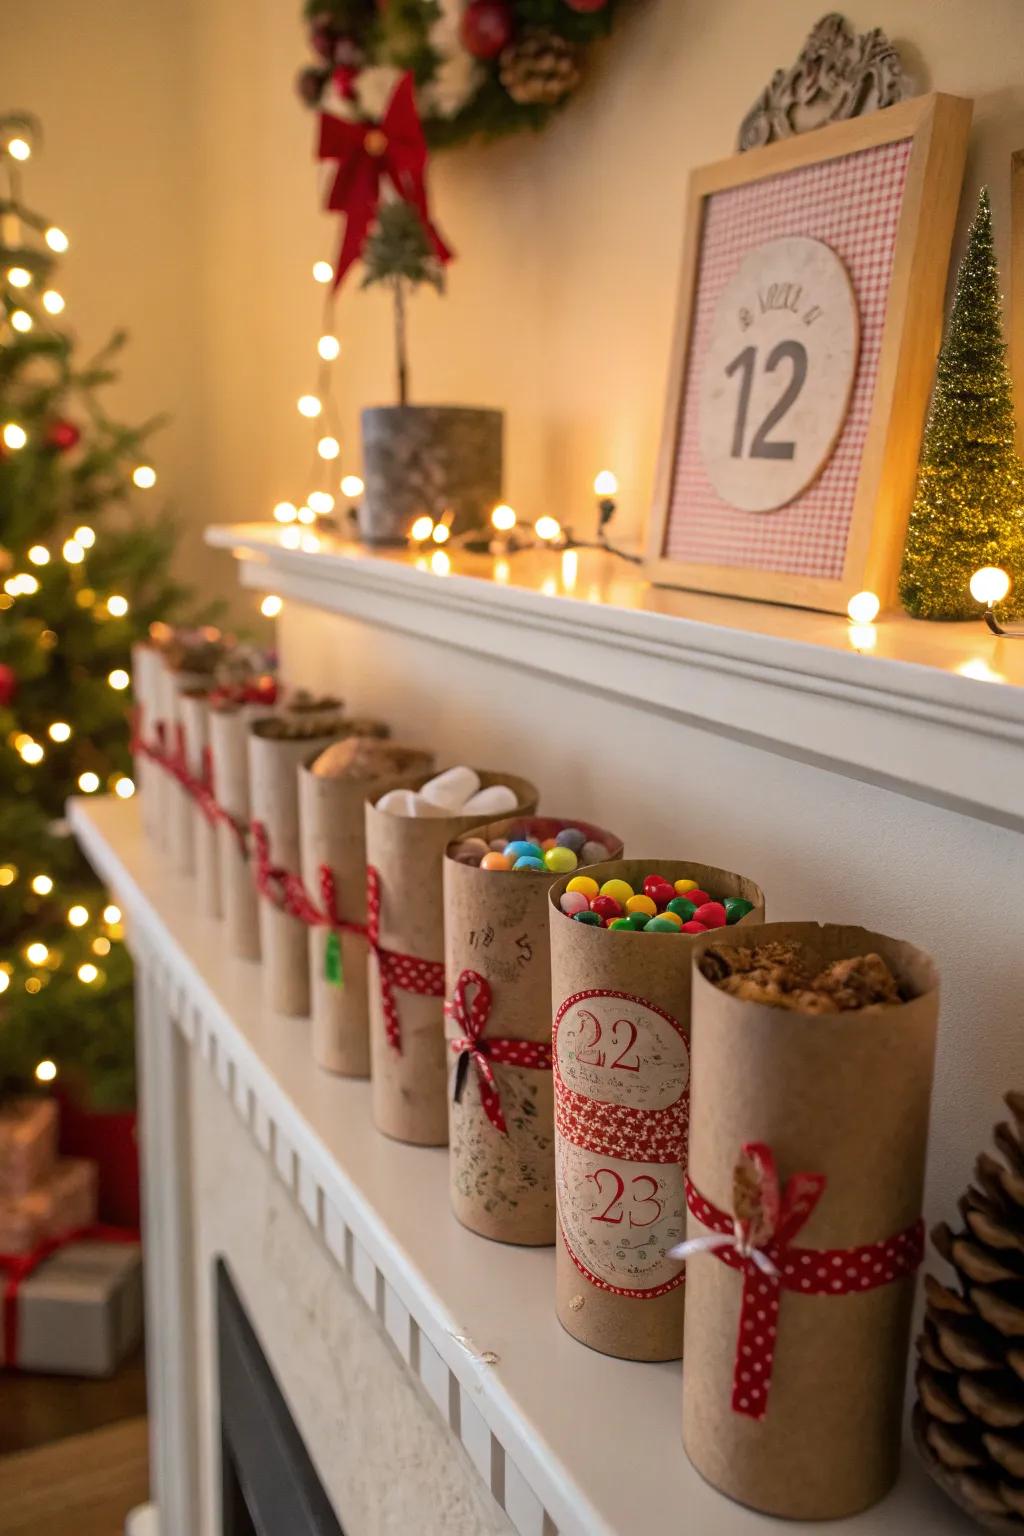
(613, 1212)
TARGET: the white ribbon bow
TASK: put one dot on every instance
(712, 1240)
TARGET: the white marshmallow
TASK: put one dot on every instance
(398, 802)
(451, 789)
(495, 800)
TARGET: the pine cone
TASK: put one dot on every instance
(969, 1418)
(539, 68)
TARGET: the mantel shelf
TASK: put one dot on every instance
(587, 1445)
(935, 711)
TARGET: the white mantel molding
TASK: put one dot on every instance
(934, 711)
(570, 1442)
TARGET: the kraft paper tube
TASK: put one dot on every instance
(177, 802)
(229, 751)
(274, 795)
(496, 924)
(845, 1095)
(410, 1087)
(195, 717)
(621, 1038)
(333, 833)
(146, 666)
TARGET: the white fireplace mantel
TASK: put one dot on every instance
(569, 1442)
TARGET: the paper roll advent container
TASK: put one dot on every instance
(177, 834)
(195, 726)
(229, 756)
(843, 1095)
(146, 669)
(496, 926)
(274, 797)
(621, 1045)
(332, 826)
(410, 1081)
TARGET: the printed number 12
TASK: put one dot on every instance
(761, 446)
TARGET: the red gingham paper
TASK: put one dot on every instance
(853, 204)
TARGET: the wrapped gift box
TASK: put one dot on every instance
(67, 1198)
(28, 1145)
(80, 1312)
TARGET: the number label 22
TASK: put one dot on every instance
(589, 1054)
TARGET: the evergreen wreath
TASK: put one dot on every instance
(482, 67)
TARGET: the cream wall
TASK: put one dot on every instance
(181, 162)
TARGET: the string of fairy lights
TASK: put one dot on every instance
(32, 303)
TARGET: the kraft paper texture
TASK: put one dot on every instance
(195, 721)
(623, 1040)
(146, 667)
(229, 751)
(274, 796)
(177, 802)
(333, 833)
(410, 1089)
(496, 923)
(846, 1095)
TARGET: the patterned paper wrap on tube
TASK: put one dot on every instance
(845, 1098)
(408, 1052)
(621, 1041)
(274, 796)
(195, 732)
(333, 837)
(178, 839)
(496, 927)
(229, 760)
(147, 666)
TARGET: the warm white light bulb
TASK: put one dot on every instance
(863, 607)
(32, 753)
(5, 981)
(19, 277)
(14, 436)
(27, 584)
(503, 517)
(88, 782)
(306, 515)
(78, 916)
(119, 679)
(59, 731)
(547, 528)
(352, 486)
(606, 484)
(111, 914)
(21, 320)
(284, 512)
(87, 972)
(271, 606)
(321, 502)
(309, 405)
(291, 538)
(46, 1071)
(53, 302)
(73, 552)
(37, 954)
(440, 562)
(328, 447)
(85, 536)
(322, 271)
(144, 477)
(117, 606)
(124, 787)
(989, 585)
(422, 528)
(56, 239)
(42, 885)
(39, 554)
(441, 534)
(328, 347)
(19, 149)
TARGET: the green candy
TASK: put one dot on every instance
(736, 907)
(636, 920)
(660, 925)
(590, 918)
(620, 922)
(682, 907)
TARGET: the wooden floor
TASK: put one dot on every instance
(83, 1485)
(35, 1410)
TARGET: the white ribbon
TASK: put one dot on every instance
(712, 1240)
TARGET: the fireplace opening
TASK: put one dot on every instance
(269, 1486)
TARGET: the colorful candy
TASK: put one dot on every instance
(572, 902)
(527, 861)
(588, 917)
(584, 883)
(662, 906)
(560, 860)
(557, 855)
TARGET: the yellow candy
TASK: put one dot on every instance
(642, 904)
(673, 917)
(682, 886)
(583, 883)
(620, 890)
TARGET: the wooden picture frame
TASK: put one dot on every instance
(874, 482)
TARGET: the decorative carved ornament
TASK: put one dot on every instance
(837, 75)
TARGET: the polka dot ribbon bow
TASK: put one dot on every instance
(471, 1015)
(757, 1239)
(288, 892)
(401, 973)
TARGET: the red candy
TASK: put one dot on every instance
(660, 890)
(699, 898)
(712, 914)
(693, 927)
(606, 906)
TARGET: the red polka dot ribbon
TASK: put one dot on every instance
(398, 973)
(757, 1240)
(470, 1013)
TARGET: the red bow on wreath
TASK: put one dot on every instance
(366, 153)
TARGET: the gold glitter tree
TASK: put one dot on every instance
(969, 507)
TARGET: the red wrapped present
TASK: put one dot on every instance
(28, 1145)
(64, 1201)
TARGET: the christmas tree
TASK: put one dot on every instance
(83, 574)
(969, 507)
